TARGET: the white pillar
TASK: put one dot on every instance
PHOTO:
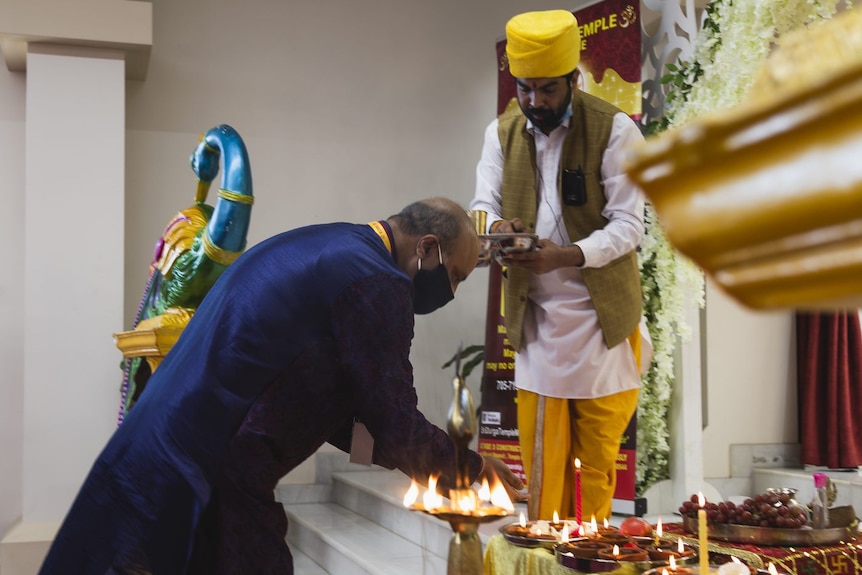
(74, 222)
(77, 56)
(686, 417)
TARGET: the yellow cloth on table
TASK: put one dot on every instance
(503, 558)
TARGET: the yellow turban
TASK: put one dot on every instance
(543, 44)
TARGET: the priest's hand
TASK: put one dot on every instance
(497, 468)
(508, 226)
(547, 257)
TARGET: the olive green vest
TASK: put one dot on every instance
(614, 288)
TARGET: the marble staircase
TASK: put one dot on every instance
(351, 520)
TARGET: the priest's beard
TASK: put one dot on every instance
(546, 119)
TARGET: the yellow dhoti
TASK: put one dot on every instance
(553, 431)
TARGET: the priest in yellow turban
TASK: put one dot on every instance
(551, 166)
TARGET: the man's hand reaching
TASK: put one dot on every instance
(497, 468)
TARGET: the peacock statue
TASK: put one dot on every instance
(197, 245)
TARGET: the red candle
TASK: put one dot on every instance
(578, 508)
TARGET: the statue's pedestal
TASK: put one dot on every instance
(154, 337)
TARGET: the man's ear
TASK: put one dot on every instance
(426, 244)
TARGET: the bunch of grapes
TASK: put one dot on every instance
(762, 510)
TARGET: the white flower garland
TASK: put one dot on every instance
(735, 40)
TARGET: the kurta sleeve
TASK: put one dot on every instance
(489, 178)
(373, 328)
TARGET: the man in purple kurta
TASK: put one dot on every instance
(304, 334)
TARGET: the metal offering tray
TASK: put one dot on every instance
(497, 245)
(844, 525)
(512, 533)
(565, 557)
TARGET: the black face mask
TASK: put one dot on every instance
(431, 289)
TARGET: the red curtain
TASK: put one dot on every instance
(829, 371)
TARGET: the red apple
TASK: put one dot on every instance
(636, 526)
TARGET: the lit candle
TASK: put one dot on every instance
(578, 505)
(679, 546)
(658, 531)
(772, 570)
(702, 538)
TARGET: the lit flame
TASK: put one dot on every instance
(771, 568)
(616, 549)
(672, 563)
(522, 520)
(565, 536)
(485, 491)
(466, 500)
(593, 524)
(679, 546)
(581, 531)
(499, 497)
(577, 463)
(700, 499)
(607, 525)
(658, 527)
(412, 494)
(556, 517)
(431, 499)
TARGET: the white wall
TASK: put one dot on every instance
(350, 111)
(751, 379)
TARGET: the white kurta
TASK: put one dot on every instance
(563, 353)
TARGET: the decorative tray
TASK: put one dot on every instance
(713, 570)
(493, 245)
(843, 526)
(516, 534)
(565, 557)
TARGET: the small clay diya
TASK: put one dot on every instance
(588, 549)
(612, 539)
(625, 554)
(665, 553)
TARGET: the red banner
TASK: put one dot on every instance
(610, 68)
(498, 425)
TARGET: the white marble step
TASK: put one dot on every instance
(343, 542)
(378, 495)
(304, 565)
(359, 517)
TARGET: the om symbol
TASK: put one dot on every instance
(628, 17)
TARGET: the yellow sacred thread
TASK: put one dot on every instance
(235, 197)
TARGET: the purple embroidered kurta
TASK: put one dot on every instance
(303, 333)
